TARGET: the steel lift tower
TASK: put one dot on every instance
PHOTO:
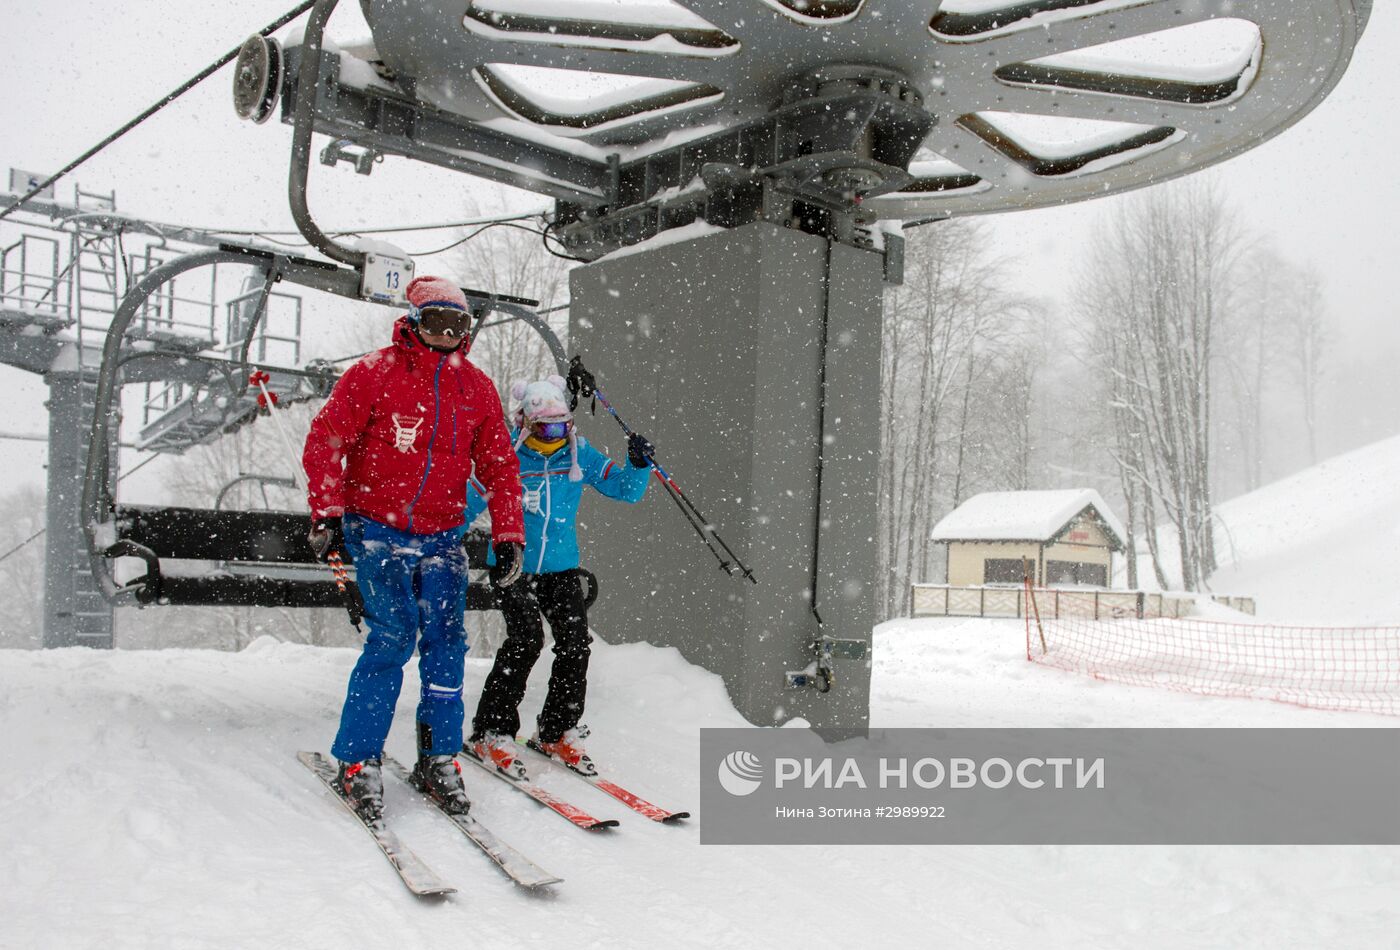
(65, 268)
(737, 173)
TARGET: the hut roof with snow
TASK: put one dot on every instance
(1026, 516)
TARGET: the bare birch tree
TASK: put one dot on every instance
(1307, 344)
(942, 328)
(1158, 285)
(1008, 428)
(1251, 338)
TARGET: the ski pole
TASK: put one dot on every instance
(688, 508)
(692, 516)
(582, 383)
(354, 606)
(699, 526)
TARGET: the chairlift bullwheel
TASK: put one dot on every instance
(257, 78)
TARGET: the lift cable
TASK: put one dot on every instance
(461, 241)
(488, 224)
(354, 356)
(434, 226)
(165, 101)
(547, 237)
(275, 237)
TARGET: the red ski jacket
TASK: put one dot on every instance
(400, 435)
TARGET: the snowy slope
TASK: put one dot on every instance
(1317, 547)
(1321, 545)
(152, 800)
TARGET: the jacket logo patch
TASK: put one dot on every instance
(406, 431)
(530, 499)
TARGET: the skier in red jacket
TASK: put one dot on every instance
(387, 463)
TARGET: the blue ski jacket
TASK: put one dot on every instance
(550, 501)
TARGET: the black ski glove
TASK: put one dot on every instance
(506, 570)
(326, 535)
(639, 450)
(581, 383)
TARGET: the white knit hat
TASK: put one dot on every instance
(545, 401)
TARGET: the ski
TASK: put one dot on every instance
(417, 876)
(521, 869)
(632, 800)
(546, 798)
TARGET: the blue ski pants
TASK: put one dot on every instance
(414, 587)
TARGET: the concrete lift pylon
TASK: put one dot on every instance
(768, 150)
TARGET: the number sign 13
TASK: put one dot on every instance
(386, 278)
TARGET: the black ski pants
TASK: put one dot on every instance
(559, 598)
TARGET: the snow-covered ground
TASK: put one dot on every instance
(1319, 546)
(151, 798)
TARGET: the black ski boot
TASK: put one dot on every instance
(362, 783)
(440, 778)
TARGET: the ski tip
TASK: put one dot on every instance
(442, 891)
(674, 817)
(603, 824)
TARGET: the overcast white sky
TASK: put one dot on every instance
(1326, 191)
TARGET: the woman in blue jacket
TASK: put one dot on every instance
(555, 464)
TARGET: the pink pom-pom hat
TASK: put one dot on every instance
(426, 291)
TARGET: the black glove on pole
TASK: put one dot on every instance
(581, 383)
(506, 570)
(639, 450)
(327, 540)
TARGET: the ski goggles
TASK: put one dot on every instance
(444, 321)
(551, 430)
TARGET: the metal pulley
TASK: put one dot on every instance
(257, 78)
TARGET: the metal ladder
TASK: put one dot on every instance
(99, 279)
(176, 416)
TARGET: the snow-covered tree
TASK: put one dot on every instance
(948, 360)
(1160, 282)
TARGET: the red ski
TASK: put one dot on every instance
(632, 800)
(546, 798)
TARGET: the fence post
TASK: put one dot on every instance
(1033, 605)
(982, 602)
(1025, 585)
(1096, 605)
